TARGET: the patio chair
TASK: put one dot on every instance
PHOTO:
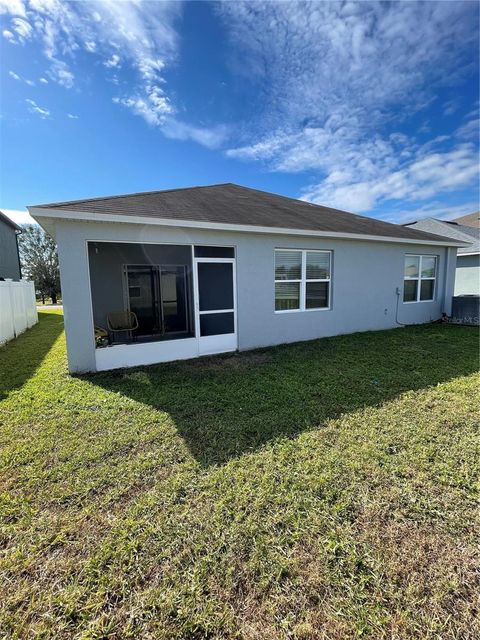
(121, 321)
(101, 337)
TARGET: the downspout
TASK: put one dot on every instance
(17, 233)
(449, 280)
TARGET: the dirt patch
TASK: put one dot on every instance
(236, 361)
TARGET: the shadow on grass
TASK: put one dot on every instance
(224, 406)
(20, 358)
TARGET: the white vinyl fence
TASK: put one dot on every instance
(18, 310)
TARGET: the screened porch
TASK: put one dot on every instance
(161, 293)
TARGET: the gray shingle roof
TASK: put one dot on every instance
(237, 205)
(470, 220)
(451, 229)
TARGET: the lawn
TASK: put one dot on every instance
(324, 490)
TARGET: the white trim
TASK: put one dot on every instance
(196, 316)
(64, 214)
(419, 279)
(92, 317)
(144, 353)
(472, 253)
(214, 259)
(216, 311)
(223, 342)
(302, 281)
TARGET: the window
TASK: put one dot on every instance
(302, 279)
(419, 278)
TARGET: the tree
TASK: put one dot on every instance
(39, 258)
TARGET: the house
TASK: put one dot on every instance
(9, 256)
(17, 297)
(467, 274)
(218, 268)
(470, 220)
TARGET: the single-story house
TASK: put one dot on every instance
(218, 268)
(9, 255)
(467, 274)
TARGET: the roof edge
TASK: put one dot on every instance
(42, 212)
(10, 222)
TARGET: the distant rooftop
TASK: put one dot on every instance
(470, 220)
(451, 229)
(10, 223)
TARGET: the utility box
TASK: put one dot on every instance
(466, 310)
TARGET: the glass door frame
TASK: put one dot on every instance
(156, 270)
(155, 274)
(219, 343)
(171, 267)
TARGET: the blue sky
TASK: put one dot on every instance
(369, 107)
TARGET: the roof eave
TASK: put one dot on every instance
(86, 216)
(10, 222)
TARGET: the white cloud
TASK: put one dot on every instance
(425, 177)
(112, 62)
(450, 107)
(15, 76)
(61, 74)
(210, 137)
(434, 209)
(337, 81)
(19, 216)
(318, 59)
(136, 35)
(471, 129)
(13, 7)
(22, 28)
(72, 116)
(43, 80)
(35, 108)
(152, 108)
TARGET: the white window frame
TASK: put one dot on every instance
(419, 278)
(303, 280)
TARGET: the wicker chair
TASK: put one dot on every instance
(121, 321)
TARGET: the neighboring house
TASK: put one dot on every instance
(467, 276)
(9, 256)
(470, 220)
(17, 297)
(219, 268)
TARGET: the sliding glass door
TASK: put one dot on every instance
(158, 295)
(172, 302)
(174, 299)
(143, 296)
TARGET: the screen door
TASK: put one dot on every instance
(216, 323)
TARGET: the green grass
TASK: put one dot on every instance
(324, 490)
